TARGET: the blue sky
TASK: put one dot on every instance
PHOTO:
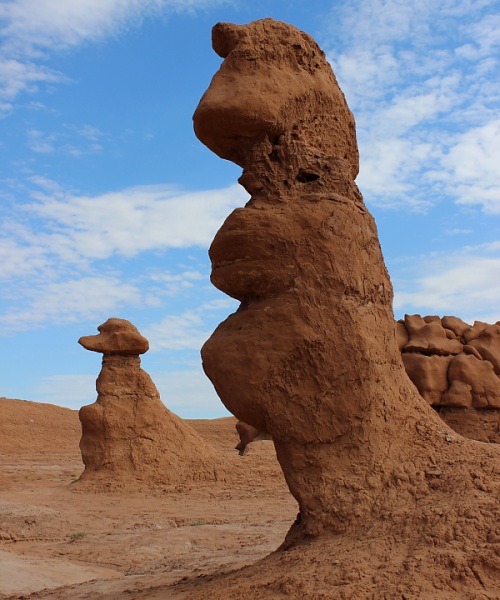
(109, 202)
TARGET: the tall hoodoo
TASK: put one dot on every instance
(310, 357)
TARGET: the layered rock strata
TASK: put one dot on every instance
(128, 435)
(310, 357)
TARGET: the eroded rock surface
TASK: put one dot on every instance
(310, 356)
(455, 367)
(248, 434)
(463, 388)
(128, 435)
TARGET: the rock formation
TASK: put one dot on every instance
(128, 435)
(456, 368)
(310, 357)
(452, 375)
(248, 434)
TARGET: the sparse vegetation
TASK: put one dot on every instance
(198, 522)
(76, 535)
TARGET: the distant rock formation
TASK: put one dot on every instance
(128, 435)
(456, 368)
(310, 356)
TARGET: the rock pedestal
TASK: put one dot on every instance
(128, 435)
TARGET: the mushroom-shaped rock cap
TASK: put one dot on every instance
(271, 70)
(117, 336)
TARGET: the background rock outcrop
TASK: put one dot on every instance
(310, 357)
(456, 368)
(128, 435)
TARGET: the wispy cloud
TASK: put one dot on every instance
(472, 167)
(68, 302)
(422, 79)
(130, 221)
(173, 284)
(59, 254)
(71, 140)
(190, 329)
(464, 284)
(33, 29)
(17, 76)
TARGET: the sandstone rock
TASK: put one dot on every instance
(429, 336)
(473, 383)
(429, 374)
(432, 378)
(456, 325)
(310, 356)
(473, 332)
(468, 349)
(402, 336)
(488, 345)
(116, 336)
(248, 434)
(432, 319)
(481, 425)
(128, 436)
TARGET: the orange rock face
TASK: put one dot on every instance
(128, 436)
(311, 356)
(463, 388)
(456, 366)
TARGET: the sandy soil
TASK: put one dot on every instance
(58, 540)
(62, 539)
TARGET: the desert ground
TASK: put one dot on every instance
(60, 539)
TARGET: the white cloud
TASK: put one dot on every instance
(52, 24)
(473, 162)
(186, 331)
(486, 34)
(464, 284)
(17, 76)
(173, 284)
(17, 260)
(41, 143)
(32, 29)
(69, 301)
(71, 140)
(133, 220)
(58, 256)
(190, 329)
(422, 80)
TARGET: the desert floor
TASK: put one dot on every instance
(59, 540)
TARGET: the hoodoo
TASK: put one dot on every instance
(129, 437)
(311, 357)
